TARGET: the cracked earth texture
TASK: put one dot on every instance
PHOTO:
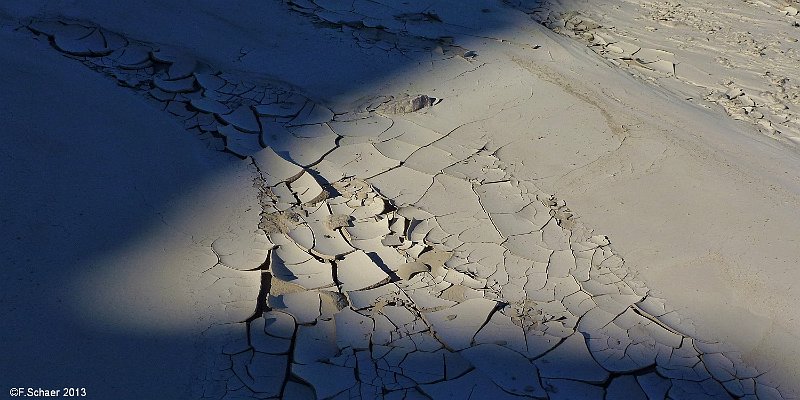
(363, 277)
(681, 46)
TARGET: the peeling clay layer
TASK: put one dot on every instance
(372, 281)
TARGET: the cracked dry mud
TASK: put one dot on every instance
(363, 278)
(681, 46)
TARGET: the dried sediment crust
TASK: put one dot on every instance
(706, 53)
(427, 271)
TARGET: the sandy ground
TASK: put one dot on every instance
(317, 200)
